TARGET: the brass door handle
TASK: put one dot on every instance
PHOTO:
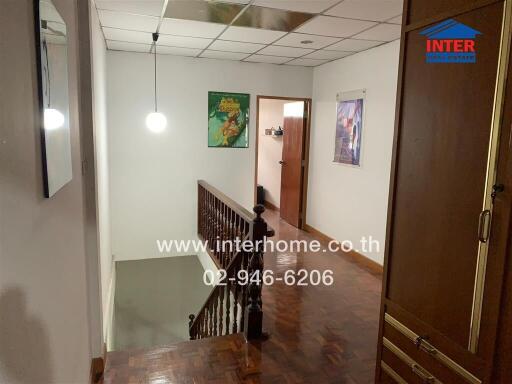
(484, 225)
(425, 376)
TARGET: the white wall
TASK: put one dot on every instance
(154, 176)
(270, 149)
(99, 90)
(45, 334)
(347, 202)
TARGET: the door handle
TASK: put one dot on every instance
(425, 376)
(484, 225)
(281, 162)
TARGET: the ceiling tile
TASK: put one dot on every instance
(128, 21)
(395, 20)
(385, 32)
(309, 6)
(275, 50)
(268, 59)
(306, 62)
(178, 51)
(354, 45)
(251, 35)
(271, 18)
(214, 12)
(327, 55)
(316, 42)
(183, 41)
(333, 26)
(138, 7)
(127, 36)
(131, 47)
(378, 10)
(235, 46)
(191, 28)
(224, 55)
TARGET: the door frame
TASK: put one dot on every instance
(304, 192)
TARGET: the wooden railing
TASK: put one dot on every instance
(235, 304)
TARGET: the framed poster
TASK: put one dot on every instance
(349, 127)
(228, 120)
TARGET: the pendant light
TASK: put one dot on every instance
(156, 121)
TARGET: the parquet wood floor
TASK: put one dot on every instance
(318, 334)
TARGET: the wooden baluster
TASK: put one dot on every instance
(228, 305)
(254, 313)
(221, 308)
(215, 313)
(231, 233)
(190, 328)
(224, 253)
(235, 306)
(210, 324)
(243, 266)
(199, 206)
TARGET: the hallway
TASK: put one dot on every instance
(318, 334)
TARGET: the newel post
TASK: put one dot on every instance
(253, 312)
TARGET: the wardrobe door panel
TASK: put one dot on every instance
(442, 155)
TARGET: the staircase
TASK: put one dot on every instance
(234, 305)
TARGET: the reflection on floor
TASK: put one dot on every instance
(318, 334)
(153, 300)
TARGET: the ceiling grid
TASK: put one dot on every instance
(283, 32)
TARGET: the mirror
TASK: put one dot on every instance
(52, 61)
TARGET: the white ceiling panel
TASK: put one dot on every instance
(310, 41)
(268, 59)
(251, 35)
(235, 46)
(224, 55)
(128, 36)
(275, 50)
(191, 28)
(128, 21)
(334, 26)
(385, 32)
(131, 47)
(354, 45)
(308, 6)
(139, 7)
(183, 41)
(327, 55)
(178, 51)
(378, 10)
(395, 20)
(306, 62)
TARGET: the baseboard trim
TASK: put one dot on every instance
(359, 258)
(270, 206)
(97, 370)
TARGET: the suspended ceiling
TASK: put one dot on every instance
(291, 32)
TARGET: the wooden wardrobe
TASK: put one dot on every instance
(446, 313)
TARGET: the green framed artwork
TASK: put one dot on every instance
(228, 120)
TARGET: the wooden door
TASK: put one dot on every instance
(439, 240)
(292, 169)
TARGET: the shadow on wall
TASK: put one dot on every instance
(24, 345)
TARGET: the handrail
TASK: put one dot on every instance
(220, 218)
